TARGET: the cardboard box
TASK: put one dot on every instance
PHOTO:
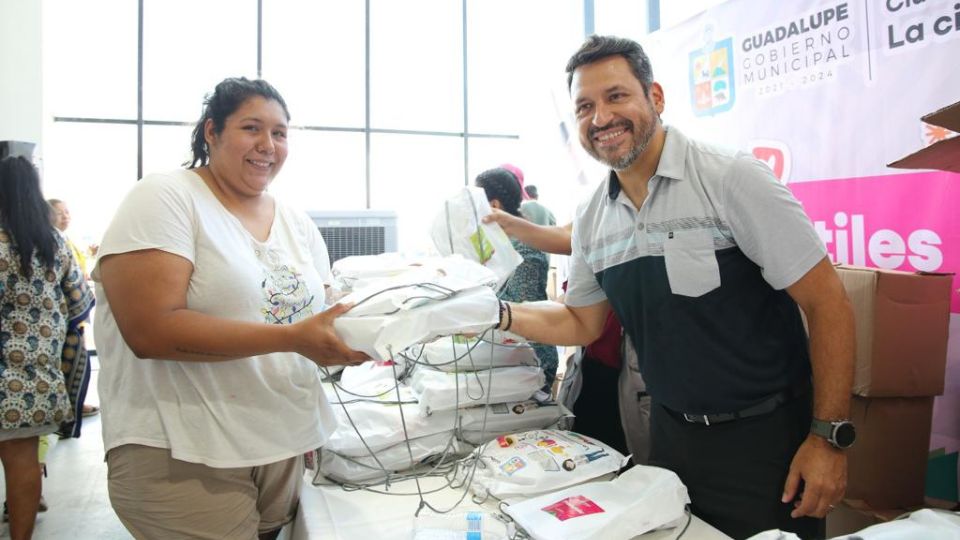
(943, 155)
(887, 465)
(852, 516)
(902, 323)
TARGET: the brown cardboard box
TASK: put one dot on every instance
(902, 322)
(851, 516)
(887, 465)
(943, 155)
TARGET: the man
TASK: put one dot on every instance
(534, 211)
(704, 258)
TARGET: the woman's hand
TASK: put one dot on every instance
(317, 340)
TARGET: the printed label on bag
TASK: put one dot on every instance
(482, 245)
(572, 507)
(513, 465)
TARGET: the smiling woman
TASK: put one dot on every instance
(213, 302)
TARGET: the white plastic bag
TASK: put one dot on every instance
(641, 499)
(359, 270)
(458, 353)
(926, 524)
(470, 311)
(393, 459)
(482, 424)
(458, 229)
(535, 462)
(441, 391)
(379, 426)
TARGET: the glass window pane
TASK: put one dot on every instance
(412, 175)
(325, 170)
(165, 148)
(487, 153)
(674, 13)
(624, 18)
(329, 89)
(189, 47)
(416, 65)
(91, 187)
(90, 59)
(508, 76)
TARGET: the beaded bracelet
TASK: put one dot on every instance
(509, 317)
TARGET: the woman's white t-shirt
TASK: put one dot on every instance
(236, 413)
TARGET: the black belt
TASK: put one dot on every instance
(766, 406)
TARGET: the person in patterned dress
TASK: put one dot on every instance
(42, 291)
(529, 281)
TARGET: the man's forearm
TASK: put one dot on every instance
(832, 355)
(552, 323)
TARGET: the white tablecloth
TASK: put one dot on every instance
(330, 513)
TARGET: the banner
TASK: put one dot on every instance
(827, 93)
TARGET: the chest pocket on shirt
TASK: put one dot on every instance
(691, 263)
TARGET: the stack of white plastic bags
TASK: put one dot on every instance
(430, 394)
(560, 484)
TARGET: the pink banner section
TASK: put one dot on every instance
(907, 222)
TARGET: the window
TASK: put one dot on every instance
(389, 127)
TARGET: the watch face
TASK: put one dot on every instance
(845, 434)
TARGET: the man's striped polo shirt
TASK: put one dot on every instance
(697, 276)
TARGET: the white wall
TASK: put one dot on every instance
(21, 79)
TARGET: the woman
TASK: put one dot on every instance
(60, 218)
(42, 292)
(210, 331)
(529, 281)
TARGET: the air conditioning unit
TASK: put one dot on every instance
(356, 232)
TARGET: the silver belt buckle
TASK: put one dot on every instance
(695, 418)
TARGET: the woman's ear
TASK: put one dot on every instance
(495, 203)
(208, 134)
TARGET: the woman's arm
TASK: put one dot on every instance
(147, 291)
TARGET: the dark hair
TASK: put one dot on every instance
(226, 98)
(502, 185)
(597, 48)
(531, 191)
(24, 215)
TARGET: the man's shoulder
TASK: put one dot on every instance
(715, 163)
(592, 204)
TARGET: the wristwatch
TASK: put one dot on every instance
(839, 433)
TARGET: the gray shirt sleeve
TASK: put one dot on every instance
(769, 224)
(582, 286)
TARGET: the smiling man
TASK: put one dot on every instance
(705, 259)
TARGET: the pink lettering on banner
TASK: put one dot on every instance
(903, 222)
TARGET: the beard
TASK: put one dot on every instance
(641, 142)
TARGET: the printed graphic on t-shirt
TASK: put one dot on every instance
(287, 297)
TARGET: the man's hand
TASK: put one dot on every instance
(317, 340)
(509, 223)
(823, 470)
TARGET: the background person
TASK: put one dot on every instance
(534, 211)
(60, 217)
(529, 281)
(705, 257)
(41, 292)
(211, 327)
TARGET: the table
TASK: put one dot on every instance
(330, 513)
